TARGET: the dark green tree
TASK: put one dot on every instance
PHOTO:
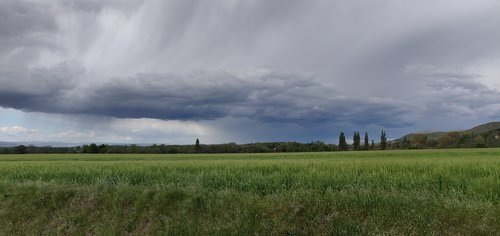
(373, 145)
(383, 140)
(197, 145)
(103, 148)
(342, 143)
(93, 148)
(356, 140)
(367, 142)
(21, 149)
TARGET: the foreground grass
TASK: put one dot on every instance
(446, 192)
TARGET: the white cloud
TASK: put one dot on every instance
(73, 135)
(16, 130)
(18, 133)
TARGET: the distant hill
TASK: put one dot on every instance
(430, 135)
(61, 144)
(485, 128)
(7, 144)
(480, 129)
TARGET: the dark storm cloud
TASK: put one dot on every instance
(37, 89)
(298, 62)
(265, 96)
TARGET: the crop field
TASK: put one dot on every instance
(431, 192)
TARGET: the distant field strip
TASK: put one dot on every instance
(437, 192)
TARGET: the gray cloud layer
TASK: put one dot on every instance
(386, 63)
(263, 95)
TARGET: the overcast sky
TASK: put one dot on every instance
(161, 71)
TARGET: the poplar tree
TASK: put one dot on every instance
(356, 140)
(197, 145)
(342, 142)
(383, 140)
(366, 141)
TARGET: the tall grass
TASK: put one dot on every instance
(446, 192)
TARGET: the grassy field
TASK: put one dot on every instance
(445, 192)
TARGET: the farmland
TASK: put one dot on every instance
(446, 192)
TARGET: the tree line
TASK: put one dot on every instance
(414, 141)
(264, 147)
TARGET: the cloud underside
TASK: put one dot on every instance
(202, 95)
(271, 61)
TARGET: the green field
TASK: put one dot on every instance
(445, 192)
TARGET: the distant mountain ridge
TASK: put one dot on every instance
(484, 128)
(61, 144)
(38, 143)
(480, 129)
